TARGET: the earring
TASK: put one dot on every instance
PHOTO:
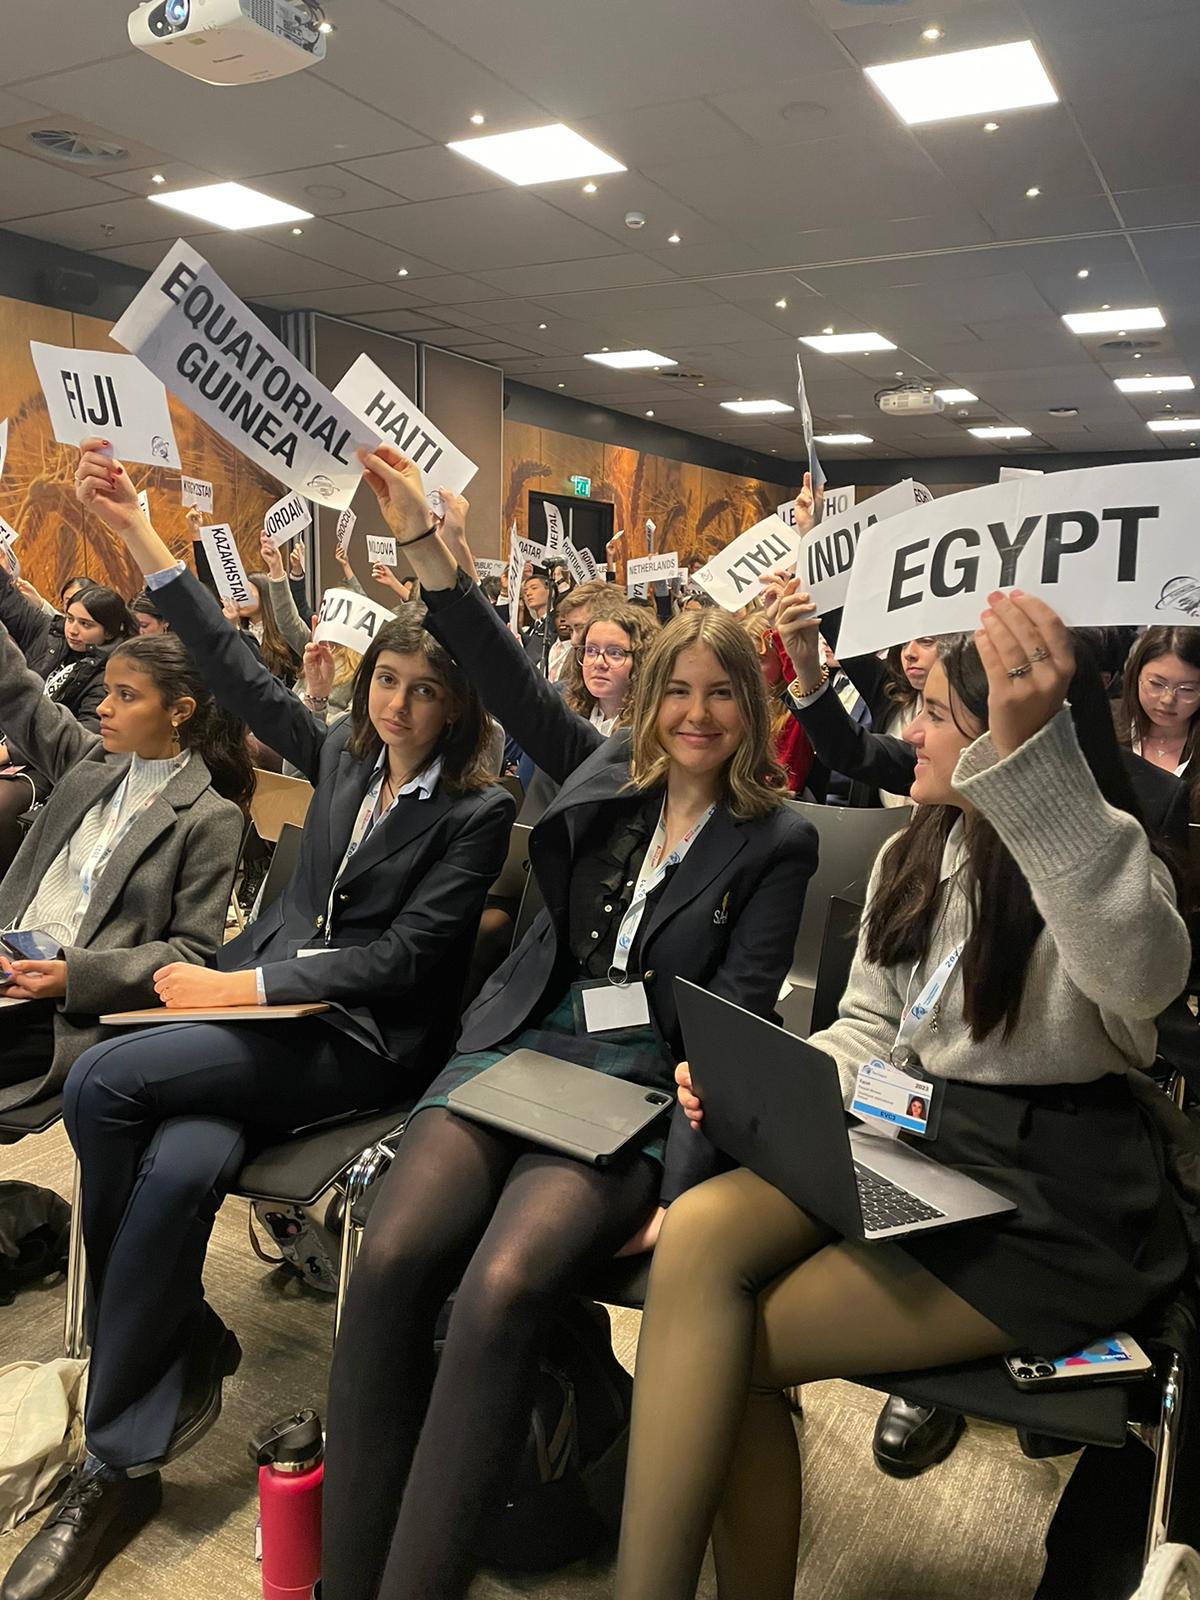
(175, 740)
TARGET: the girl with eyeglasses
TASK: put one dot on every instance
(1159, 716)
(613, 649)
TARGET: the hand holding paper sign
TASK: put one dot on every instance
(454, 530)
(792, 614)
(272, 560)
(102, 487)
(1029, 659)
(387, 577)
(397, 485)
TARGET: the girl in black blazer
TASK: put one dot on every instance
(518, 1228)
(404, 834)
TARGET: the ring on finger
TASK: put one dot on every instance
(1019, 672)
(1039, 655)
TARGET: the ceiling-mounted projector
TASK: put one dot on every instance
(910, 400)
(230, 41)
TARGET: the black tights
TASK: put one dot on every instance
(414, 1465)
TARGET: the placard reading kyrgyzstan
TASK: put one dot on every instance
(350, 619)
(94, 392)
(384, 406)
(286, 518)
(653, 569)
(215, 355)
(226, 562)
(1103, 546)
(738, 575)
(827, 554)
(382, 549)
(196, 492)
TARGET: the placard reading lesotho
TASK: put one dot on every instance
(1103, 546)
(383, 405)
(214, 354)
(95, 392)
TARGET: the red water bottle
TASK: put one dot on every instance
(291, 1470)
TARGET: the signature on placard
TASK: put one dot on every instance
(1180, 594)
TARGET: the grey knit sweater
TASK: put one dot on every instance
(1114, 951)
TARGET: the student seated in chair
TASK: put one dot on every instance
(404, 834)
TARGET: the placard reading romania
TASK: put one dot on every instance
(738, 575)
(218, 358)
(1103, 546)
(350, 619)
(384, 406)
(91, 391)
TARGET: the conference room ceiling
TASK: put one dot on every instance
(749, 130)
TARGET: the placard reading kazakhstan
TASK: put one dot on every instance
(738, 575)
(91, 391)
(827, 554)
(1103, 546)
(219, 359)
(350, 619)
(226, 563)
(384, 406)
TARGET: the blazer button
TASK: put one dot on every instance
(647, 975)
(608, 908)
(342, 898)
(595, 935)
(320, 922)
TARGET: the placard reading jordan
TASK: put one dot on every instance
(384, 406)
(95, 392)
(215, 355)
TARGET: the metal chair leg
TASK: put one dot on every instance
(74, 1332)
(1164, 1439)
(358, 1178)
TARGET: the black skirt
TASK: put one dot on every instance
(1096, 1242)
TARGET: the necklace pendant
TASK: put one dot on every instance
(934, 1016)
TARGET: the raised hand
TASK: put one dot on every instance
(318, 670)
(194, 518)
(387, 577)
(272, 560)
(1029, 659)
(454, 529)
(795, 618)
(296, 559)
(397, 485)
(102, 487)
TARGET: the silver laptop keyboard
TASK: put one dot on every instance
(885, 1205)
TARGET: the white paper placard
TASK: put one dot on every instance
(144, 503)
(556, 531)
(737, 576)
(382, 549)
(827, 553)
(836, 502)
(651, 530)
(3, 444)
(215, 355)
(196, 492)
(488, 566)
(349, 619)
(93, 392)
(1103, 546)
(8, 534)
(652, 569)
(226, 562)
(575, 563)
(530, 550)
(1008, 474)
(591, 565)
(286, 518)
(514, 580)
(345, 531)
(816, 471)
(384, 406)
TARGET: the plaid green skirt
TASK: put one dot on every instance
(634, 1055)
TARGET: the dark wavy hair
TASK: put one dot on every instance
(216, 735)
(905, 908)
(106, 607)
(466, 737)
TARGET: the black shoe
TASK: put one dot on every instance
(909, 1439)
(96, 1518)
(216, 1357)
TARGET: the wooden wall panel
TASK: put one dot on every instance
(466, 399)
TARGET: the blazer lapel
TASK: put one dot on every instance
(716, 846)
(407, 821)
(87, 784)
(351, 784)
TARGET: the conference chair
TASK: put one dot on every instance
(17, 1124)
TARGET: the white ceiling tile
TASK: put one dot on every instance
(327, 240)
(178, 175)
(672, 130)
(31, 188)
(599, 272)
(15, 108)
(312, 189)
(252, 267)
(346, 302)
(57, 34)
(429, 173)
(477, 233)
(1037, 147)
(115, 222)
(812, 107)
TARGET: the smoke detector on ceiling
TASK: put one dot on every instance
(80, 149)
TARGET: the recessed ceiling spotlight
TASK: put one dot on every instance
(537, 155)
(956, 397)
(1032, 193)
(589, 188)
(781, 305)
(402, 272)
(1109, 321)
(1137, 358)
(297, 232)
(846, 343)
(157, 178)
(844, 438)
(1062, 411)
(1175, 425)
(478, 118)
(932, 34)
(960, 83)
(756, 408)
(542, 326)
(1001, 433)
(628, 359)
(1083, 273)
(900, 374)
(991, 127)
(827, 330)
(700, 385)
(672, 238)
(1153, 385)
(230, 205)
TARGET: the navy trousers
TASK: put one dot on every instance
(160, 1121)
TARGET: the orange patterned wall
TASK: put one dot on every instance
(37, 490)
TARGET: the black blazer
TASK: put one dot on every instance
(42, 642)
(727, 919)
(407, 909)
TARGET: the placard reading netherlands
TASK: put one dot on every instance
(1103, 546)
(350, 619)
(286, 518)
(226, 562)
(827, 554)
(215, 355)
(738, 575)
(652, 569)
(384, 406)
(382, 549)
(196, 492)
(91, 391)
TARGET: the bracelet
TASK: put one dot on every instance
(797, 690)
(403, 544)
(315, 699)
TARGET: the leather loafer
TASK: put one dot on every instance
(909, 1439)
(95, 1519)
(218, 1358)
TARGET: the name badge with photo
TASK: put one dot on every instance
(891, 1101)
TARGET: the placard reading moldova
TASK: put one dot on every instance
(650, 569)
(218, 358)
(384, 406)
(196, 492)
(382, 549)
(350, 619)
(738, 574)
(1103, 546)
(225, 560)
(91, 391)
(827, 554)
(285, 519)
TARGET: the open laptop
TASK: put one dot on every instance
(775, 1104)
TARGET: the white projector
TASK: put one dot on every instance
(912, 401)
(229, 41)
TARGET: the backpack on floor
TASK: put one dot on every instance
(35, 1227)
(564, 1499)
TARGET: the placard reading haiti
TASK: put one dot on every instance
(91, 391)
(350, 619)
(1103, 546)
(214, 354)
(384, 406)
(738, 575)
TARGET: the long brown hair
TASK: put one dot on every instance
(466, 737)
(278, 656)
(641, 628)
(754, 780)
(1154, 644)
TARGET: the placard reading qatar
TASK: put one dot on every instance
(1103, 546)
(827, 554)
(350, 619)
(285, 519)
(738, 575)
(384, 406)
(215, 355)
(93, 392)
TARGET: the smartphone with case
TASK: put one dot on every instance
(31, 944)
(1115, 1359)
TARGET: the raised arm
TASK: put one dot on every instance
(39, 730)
(282, 600)
(26, 623)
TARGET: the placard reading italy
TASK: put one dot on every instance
(828, 551)
(384, 406)
(93, 392)
(215, 355)
(286, 518)
(226, 562)
(350, 619)
(738, 575)
(1103, 546)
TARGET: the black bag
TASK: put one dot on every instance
(35, 1228)
(564, 1500)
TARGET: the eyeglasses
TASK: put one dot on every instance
(612, 653)
(1188, 694)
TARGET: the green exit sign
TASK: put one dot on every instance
(581, 485)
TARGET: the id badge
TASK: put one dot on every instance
(603, 1007)
(891, 1101)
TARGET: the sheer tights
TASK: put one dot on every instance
(415, 1461)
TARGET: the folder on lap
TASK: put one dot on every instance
(135, 1019)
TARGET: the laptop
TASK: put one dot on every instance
(557, 1104)
(783, 1118)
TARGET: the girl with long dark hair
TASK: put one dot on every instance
(1159, 715)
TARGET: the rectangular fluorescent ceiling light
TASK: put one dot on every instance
(965, 83)
(956, 397)
(843, 344)
(625, 359)
(755, 408)
(1152, 385)
(1175, 425)
(844, 438)
(1001, 433)
(1115, 321)
(537, 155)
(230, 205)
